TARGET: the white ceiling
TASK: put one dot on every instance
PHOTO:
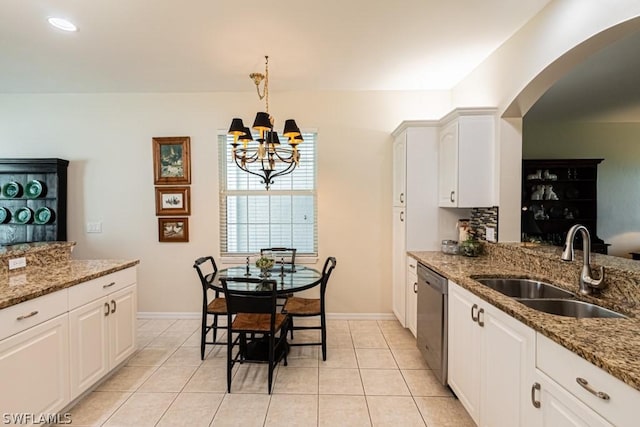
(603, 88)
(212, 45)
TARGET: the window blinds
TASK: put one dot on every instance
(252, 218)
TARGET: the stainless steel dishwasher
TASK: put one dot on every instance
(432, 320)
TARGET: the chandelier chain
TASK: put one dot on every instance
(266, 81)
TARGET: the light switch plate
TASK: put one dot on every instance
(490, 233)
(17, 263)
(94, 227)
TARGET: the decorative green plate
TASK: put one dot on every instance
(5, 215)
(34, 189)
(43, 216)
(11, 189)
(23, 215)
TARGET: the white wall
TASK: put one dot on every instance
(525, 66)
(107, 138)
(618, 174)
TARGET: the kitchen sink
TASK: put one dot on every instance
(570, 308)
(524, 288)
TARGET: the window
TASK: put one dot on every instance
(252, 217)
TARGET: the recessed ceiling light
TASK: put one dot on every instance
(62, 24)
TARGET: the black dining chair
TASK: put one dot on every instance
(217, 306)
(308, 307)
(287, 256)
(284, 258)
(255, 320)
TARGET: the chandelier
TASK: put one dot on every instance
(265, 157)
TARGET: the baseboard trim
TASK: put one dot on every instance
(330, 316)
(168, 315)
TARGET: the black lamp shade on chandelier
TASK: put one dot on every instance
(265, 157)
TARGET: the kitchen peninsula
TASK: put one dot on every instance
(64, 324)
(546, 346)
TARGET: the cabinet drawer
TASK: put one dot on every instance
(565, 367)
(101, 286)
(412, 265)
(22, 316)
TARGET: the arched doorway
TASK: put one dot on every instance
(512, 123)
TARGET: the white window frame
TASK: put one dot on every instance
(224, 162)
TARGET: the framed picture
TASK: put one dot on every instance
(173, 229)
(173, 201)
(171, 160)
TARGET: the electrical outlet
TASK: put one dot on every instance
(17, 263)
(490, 233)
(94, 227)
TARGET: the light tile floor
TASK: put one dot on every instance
(373, 376)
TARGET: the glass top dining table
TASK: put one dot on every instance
(287, 281)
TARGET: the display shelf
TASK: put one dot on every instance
(53, 175)
(560, 193)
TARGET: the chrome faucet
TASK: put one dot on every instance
(587, 281)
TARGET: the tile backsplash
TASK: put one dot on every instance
(484, 217)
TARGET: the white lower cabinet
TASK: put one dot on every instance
(412, 295)
(54, 347)
(601, 398)
(398, 266)
(34, 370)
(89, 344)
(506, 374)
(102, 332)
(491, 361)
(122, 325)
(558, 407)
(464, 349)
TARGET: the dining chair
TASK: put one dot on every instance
(282, 255)
(308, 307)
(217, 306)
(285, 257)
(254, 318)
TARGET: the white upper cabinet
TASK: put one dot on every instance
(466, 153)
(399, 169)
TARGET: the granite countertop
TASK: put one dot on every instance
(611, 344)
(35, 280)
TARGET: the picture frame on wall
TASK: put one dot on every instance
(172, 160)
(173, 229)
(173, 201)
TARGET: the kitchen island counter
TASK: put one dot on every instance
(34, 281)
(611, 344)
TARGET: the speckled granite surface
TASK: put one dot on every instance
(611, 344)
(37, 253)
(37, 280)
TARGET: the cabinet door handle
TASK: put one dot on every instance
(585, 384)
(415, 287)
(412, 266)
(480, 321)
(451, 196)
(401, 197)
(106, 308)
(109, 285)
(474, 316)
(535, 387)
(401, 216)
(26, 316)
(113, 306)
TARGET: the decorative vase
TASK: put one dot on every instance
(265, 264)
